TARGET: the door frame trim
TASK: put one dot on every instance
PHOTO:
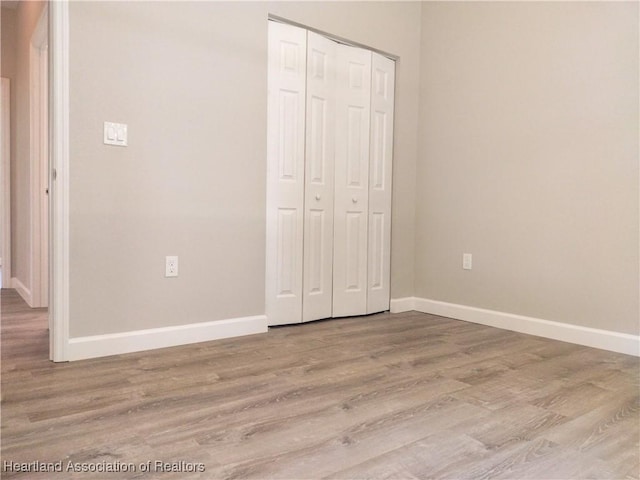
(59, 179)
(5, 176)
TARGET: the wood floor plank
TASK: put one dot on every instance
(574, 400)
(513, 424)
(610, 432)
(324, 449)
(539, 459)
(416, 460)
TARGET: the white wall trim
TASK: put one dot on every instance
(5, 182)
(591, 337)
(140, 340)
(59, 190)
(22, 290)
(406, 304)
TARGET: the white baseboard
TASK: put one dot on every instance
(136, 341)
(406, 304)
(22, 290)
(591, 337)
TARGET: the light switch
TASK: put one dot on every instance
(115, 134)
(122, 133)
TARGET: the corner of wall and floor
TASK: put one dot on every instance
(511, 150)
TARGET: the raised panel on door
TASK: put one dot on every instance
(319, 173)
(353, 86)
(286, 100)
(381, 152)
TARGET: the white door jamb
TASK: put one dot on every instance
(5, 174)
(59, 181)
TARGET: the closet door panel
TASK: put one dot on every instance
(319, 173)
(353, 87)
(379, 253)
(285, 172)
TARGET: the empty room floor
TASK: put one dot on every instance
(384, 396)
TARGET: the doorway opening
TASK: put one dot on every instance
(24, 167)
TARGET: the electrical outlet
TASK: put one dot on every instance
(467, 261)
(171, 266)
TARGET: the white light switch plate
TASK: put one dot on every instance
(115, 134)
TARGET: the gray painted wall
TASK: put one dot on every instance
(516, 140)
(189, 79)
(529, 160)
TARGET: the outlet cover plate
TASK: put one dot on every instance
(171, 266)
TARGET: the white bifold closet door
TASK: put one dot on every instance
(330, 135)
(381, 153)
(287, 80)
(319, 176)
(353, 92)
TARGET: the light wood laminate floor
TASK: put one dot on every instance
(382, 396)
